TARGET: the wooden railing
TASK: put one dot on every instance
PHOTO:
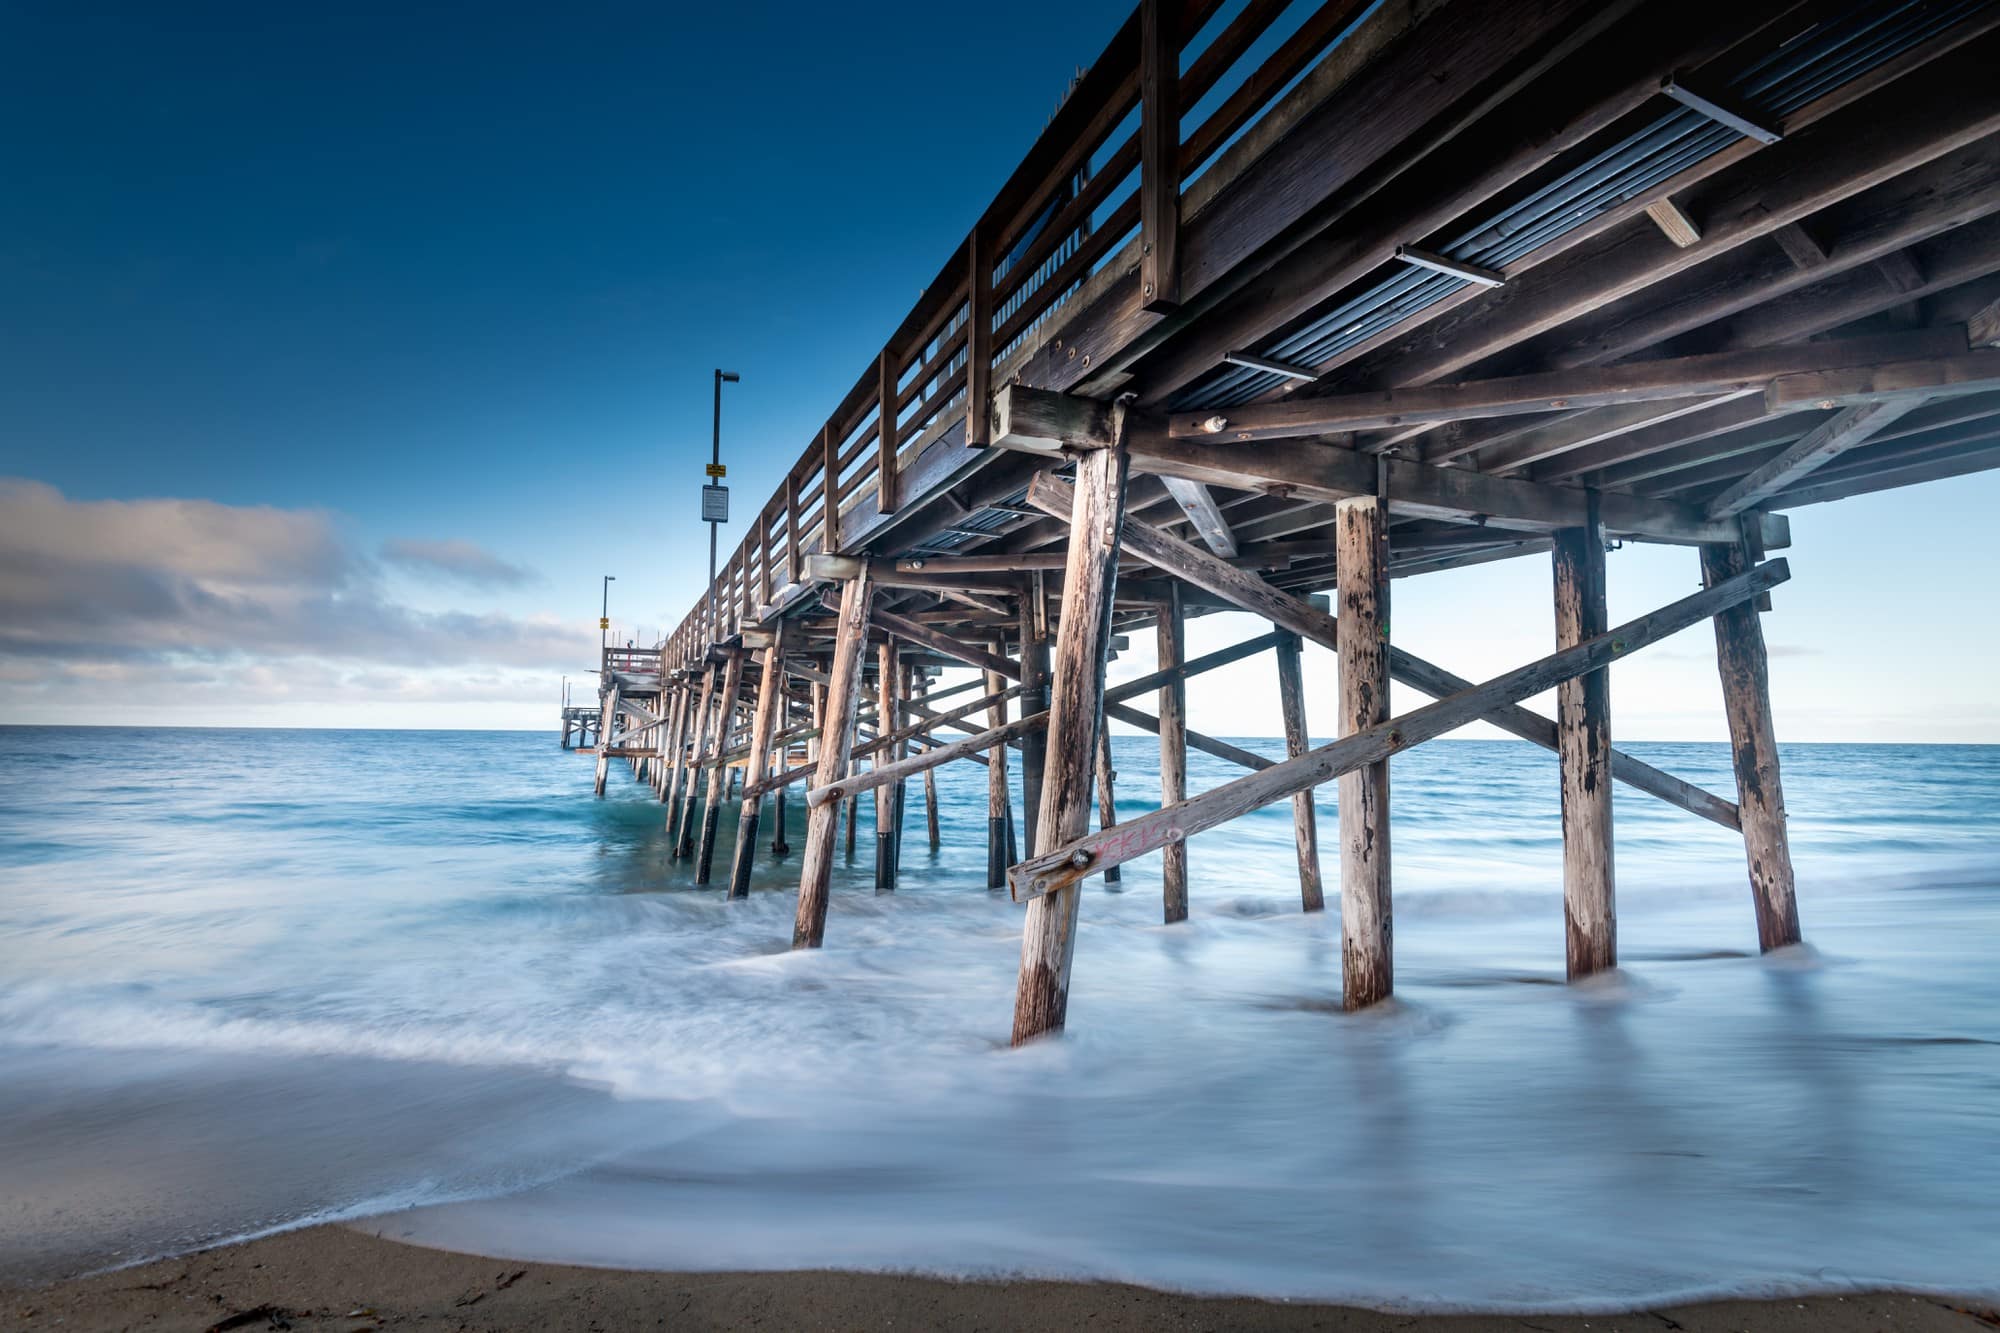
(1107, 171)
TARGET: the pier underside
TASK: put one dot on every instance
(1292, 301)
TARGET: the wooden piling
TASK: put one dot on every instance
(1034, 658)
(843, 701)
(920, 693)
(1090, 579)
(1583, 739)
(887, 816)
(718, 776)
(1107, 796)
(1305, 822)
(770, 703)
(1362, 629)
(1170, 639)
(698, 740)
(1760, 795)
(999, 801)
(607, 728)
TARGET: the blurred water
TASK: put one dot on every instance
(251, 978)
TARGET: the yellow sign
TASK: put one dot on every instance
(718, 469)
(604, 622)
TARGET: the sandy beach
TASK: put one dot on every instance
(342, 1278)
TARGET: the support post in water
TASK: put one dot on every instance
(770, 707)
(607, 728)
(1362, 629)
(999, 801)
(836, 743)
(1760, 796)
(1305, 822)
(1107, 798)
(1090, 579)
(1034, 695)
(718, 779)
(921, 692)
(1583, 740)
(1170, 635)
(698, 743)
(887, 816)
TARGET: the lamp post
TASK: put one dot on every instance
(604, 615)
(715, 471)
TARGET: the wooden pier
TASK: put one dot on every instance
(1292, 301)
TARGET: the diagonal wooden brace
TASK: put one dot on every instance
(1097, 852)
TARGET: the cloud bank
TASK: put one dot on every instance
(191, 595)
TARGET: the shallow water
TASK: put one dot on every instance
(253, 978)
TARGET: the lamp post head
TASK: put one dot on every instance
(728, 376)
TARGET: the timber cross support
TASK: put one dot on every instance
(718, 776)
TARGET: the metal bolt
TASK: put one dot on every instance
(1079, 858)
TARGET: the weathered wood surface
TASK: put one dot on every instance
(1034, 672)
(1583, 737)
(1362, 636)
(1825, 442)
(1305, 821)
(607, 733)
(843, 701)
(1170, 634)
(1048, 936)
(1760, 794)
(1072, 861)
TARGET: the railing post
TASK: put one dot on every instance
(978, 339)
(888, 493)
(1159, 154)
(829, 500)
(794, 551)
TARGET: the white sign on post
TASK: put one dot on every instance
(715, 504)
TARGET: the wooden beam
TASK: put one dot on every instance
(1311, 470)
(1579, 387)
(1042, 421)
(1674, 224)
(999, 806)
(1819, 446)
(1983, 329)
(1361, 526)
(1201, 508)
(843, 701)
(888, 805)
(1061, 867)
(1746, 699)
(1583, 739)
(1248, 592)
(937, 641)
(1048, 936)
(1968, 372)
(1159, 155)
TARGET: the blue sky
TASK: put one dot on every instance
(404, 297)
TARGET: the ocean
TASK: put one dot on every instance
(424, 982)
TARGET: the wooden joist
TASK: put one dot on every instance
(1821, 445)
(1065, 865)
(1586, 386)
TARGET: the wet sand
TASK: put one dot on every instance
(340, 1278)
